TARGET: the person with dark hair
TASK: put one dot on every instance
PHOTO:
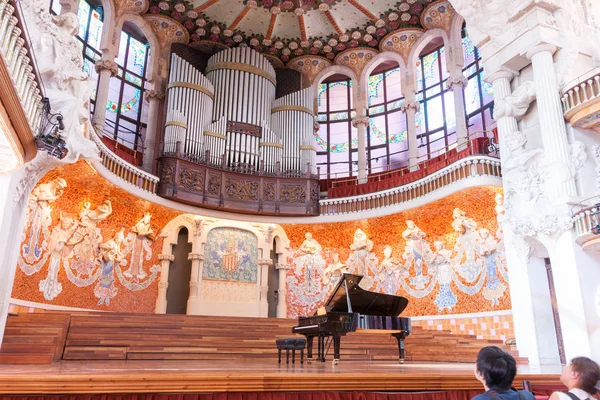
(582, 379)
(496, 370)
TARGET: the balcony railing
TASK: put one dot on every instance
(579, 98)
(586, 221)
(122, 168)
(473, 166)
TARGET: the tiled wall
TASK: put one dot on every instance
(484, 326)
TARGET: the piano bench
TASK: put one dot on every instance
(292, 344)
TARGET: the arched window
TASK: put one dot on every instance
(387, 138)
(126, 114)
(436, 120)
(479, 100)
(336, 140)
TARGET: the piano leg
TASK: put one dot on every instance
(322, 348)
(336, 350)
(400, 338)
(309, 348)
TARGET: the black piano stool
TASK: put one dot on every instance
(292, 344)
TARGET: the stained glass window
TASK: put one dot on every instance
(128, 113)
(336, 140)
(436, 120)
(387, 142)
(478, 93)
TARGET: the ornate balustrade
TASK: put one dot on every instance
(466, 168)
(20, 89)
(581, 102)
(211, 187)
(585, 221)
(122, 168)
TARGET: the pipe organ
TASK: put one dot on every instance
(230, 117)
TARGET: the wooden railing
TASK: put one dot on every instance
(467, 168)
(122, 168)
(582, 93)
(21, 92)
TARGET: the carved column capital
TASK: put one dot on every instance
(540, 49)
(282, 266)
(265, 261)
(456, 82)
(163, 285)
(193, 285)
(196, 256)
(153, 94)
(164, 257)
(360, 120)
(107, 65)
(410, 105)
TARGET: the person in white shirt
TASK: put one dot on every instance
(582, 378)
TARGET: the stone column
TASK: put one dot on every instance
(506, 125)
(155, 101)
(282, 290)
(551, 117)
(263, 283)
(106, 68)
(457, 82)
(195, 283)
(161, 299)
(410, 107)
(360, 122)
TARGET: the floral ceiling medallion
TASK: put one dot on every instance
(210, 27)
(298, 7)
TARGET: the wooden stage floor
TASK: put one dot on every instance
(197, 376)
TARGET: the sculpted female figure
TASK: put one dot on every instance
(415, 250)
(144, 234)
(361, 260)
(110, 256)
(494, 289)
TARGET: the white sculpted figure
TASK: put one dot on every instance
(391, 271)
(334, 270)
(516, 104)
(144, 235)
(362, 261)
(59, 245)
(60, 64)
(465, 246)
(39, 217)
(494, 288)
(110, 257)
(441, 268)
(86, 252)
(415, 250)
(310, 263)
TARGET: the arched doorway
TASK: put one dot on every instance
(180, 272)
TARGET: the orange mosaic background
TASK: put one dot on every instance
(435, 219)
(84, 184)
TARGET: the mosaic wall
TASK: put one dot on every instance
(88, 244)
(230, 255)
(499, 327)
(445, 257)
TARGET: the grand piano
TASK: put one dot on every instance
(351, 308)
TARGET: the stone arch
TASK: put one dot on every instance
(155, 47)
(110, 15)
(427, 37)
(378, 59)
(456, 41)
(171, 231)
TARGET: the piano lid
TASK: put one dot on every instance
(363, 301)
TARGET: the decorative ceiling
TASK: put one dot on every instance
(287, 29)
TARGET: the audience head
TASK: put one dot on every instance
(495, 368)
(583, 374)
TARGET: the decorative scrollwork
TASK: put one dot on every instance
(167, 173)
(269, 191)
(192, 180)
(291, 193)
(214, 184)
(241, 190)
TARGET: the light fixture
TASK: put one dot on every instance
(48, 137)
